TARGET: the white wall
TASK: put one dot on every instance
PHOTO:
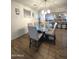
(19, 22)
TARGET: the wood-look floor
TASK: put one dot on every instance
(20, 48)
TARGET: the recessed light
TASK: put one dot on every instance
(34, 5)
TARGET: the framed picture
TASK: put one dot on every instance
(17, 11)
(26, 13)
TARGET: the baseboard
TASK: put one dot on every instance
(19, 36)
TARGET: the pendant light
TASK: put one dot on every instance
(45, 11)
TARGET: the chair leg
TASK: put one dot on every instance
(30, 43)
(37, 44)
(54, 40)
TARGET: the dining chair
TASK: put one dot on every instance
(50, 34)
(34, 36)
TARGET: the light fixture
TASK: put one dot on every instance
(48, 11)
(45, 11)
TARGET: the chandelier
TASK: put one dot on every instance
(45, 11)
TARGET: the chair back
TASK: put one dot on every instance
(55, 26)
(33, 32)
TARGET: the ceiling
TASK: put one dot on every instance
(53, 5)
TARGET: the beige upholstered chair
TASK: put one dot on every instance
(34, 36)
(51, 33)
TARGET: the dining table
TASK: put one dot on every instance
(46, 33)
